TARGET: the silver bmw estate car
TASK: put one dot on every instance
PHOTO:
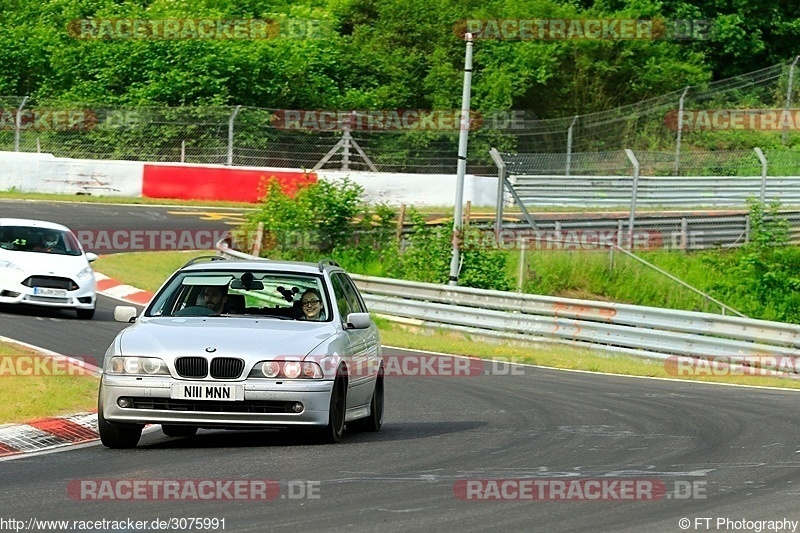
(238, 344)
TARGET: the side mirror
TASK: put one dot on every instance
(91, 256)
(125, 313)
(358, 321)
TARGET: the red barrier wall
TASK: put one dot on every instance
(215, 183)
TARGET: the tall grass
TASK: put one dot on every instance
(603, 275)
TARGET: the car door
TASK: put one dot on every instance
(358, 341)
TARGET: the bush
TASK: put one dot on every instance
(429, 250)
(762, 278)
(319, 218)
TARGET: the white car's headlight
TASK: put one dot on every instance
(136, 365)
(86, 273)
(10, 266)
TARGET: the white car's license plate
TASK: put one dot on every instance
(206, 391)
(46, 291)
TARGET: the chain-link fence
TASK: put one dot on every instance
(427, 141)
(696, 163)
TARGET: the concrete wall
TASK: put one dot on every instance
(33, 172)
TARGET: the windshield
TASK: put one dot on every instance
(39, 240)
(281, 295)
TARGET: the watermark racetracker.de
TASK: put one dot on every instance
(591, 29)
(582, 489)
(192, 489)
(203, 29)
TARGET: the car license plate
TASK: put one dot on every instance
(46, 291)
(206, 391)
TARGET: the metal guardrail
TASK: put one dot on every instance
(664, 191)
(635, 330)
(690, 231)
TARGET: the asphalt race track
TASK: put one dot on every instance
(712, 451)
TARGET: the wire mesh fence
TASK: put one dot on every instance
(654, 163)
(675, 134)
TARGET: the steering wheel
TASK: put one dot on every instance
(195, 310)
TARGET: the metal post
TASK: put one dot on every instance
(501, 177)
(230, 134)
(569, 147)
(455, 261)
(684, 234)
(634, 189)
(680, 131)
(183, 151)
(521, 272)
(747, 228)
(611, 259)
(785, 136)
(346, 149)
(18, 123)
(763, 194)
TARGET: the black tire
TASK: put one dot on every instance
(178, 431)
(117, 436)
(374, 421)
(335, 429)
(85, 314)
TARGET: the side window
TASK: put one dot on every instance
(348, 293)
(353, 297)
(341, 296)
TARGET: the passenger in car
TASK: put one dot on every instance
(312, 305)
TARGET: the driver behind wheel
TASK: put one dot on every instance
(215, 297)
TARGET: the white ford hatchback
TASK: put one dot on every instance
(43, 264)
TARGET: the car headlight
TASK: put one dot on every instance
(136, 365)
(286, 370)
(10, 266)
(270, 369)
(86, 273)
(291, 369)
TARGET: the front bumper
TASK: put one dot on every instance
(82, 298)
(261, 406)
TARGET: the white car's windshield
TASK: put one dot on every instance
(38, 240)
(223, 293)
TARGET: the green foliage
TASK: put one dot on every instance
(428, 253)
(372, 243)
(383, 54)
(762, 277)
(319, 218)
(328, 219)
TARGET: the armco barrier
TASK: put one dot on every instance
(654, 191)
(636, 330)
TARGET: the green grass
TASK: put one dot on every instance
(16, 195)
(597, 275)
(145, 270)
(29, 397)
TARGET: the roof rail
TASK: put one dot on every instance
(208, 258)
(326, 261)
